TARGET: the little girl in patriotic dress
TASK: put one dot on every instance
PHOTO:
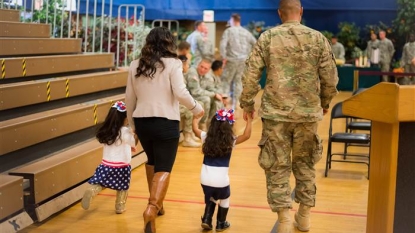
(114, 172)
(217, 147)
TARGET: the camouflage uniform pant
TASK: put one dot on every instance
(408, 80)
(278, 140)
(232, 76)
(187, 117)
(385, 67)
(205, 101)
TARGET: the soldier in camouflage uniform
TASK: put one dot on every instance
(201, 46)
(235, 45)
(211, 82)
(408, 60)
(189, 140)
(205, 97)
(338, 49)
(386, 51)
(301, 82)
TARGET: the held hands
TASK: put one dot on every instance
(248, 116)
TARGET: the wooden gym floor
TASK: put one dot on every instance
(340, 207)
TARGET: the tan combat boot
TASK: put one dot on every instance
(120, 201)
(302, 217)
(193, 136)
(188, 141)
(181, 138)
(91, 192)
(284, 220)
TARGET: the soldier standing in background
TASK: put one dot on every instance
(372, 45)
(386, 50)
(338, 49)
(408, 60)
(301, 82)
(235, 45)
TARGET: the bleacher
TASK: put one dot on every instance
(52, 98)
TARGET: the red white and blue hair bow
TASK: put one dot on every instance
(225, 115)
(120, 106)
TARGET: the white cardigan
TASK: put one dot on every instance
(158, 96)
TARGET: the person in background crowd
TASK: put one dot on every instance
(386, 51)
(235, 45)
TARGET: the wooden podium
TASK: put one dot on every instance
(391, 201)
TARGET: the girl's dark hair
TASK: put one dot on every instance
(160, 42)
(219, 139)
(109, 131)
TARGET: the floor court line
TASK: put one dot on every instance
(243, 206)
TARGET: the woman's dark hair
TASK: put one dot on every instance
(219, 139)
(109, 131)
(160, 42)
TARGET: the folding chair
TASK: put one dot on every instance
(348, 138)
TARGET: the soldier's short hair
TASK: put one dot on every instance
(197, 23)
(183, 46)
(236, 17)
(216, 65)
(207, 59)
(289, 6)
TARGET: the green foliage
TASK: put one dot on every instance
(349, 37)
(256, 28)
(327, 34)
(47, 15)
(405, 21)
(139, 33)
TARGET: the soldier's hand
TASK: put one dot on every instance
(413, 61)
(325, 111)
(224, 63)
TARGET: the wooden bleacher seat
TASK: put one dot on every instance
(17, 29)
(31, 129)
(11, 195)
(38, 46)
(34, 92)
(9, 15)
(13, 216)
(46, 65)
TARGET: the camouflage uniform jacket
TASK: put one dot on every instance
(236, 43)
(193, 84)
(338, 51)
(301, 74)
(202, 48)
(386, 51)
(211, 83)
(408, 53)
